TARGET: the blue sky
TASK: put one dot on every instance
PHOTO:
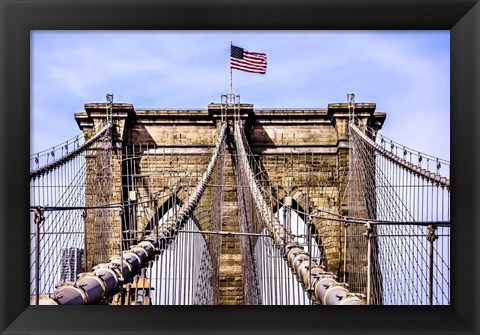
(406, 73)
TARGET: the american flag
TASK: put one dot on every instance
(244, 60)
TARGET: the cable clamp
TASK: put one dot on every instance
(368, 234)
(431, 235)
(39, 217)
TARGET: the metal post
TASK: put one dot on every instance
(430, 276)
(288, 214)
(311, 231)
(351, 105)
(85, 252)
(368, 235)
(309, 236)
(231, 68)
(346, 224)
(122, 213)
(38, 219)
(37, 260)
(431, 237)
(109, 105)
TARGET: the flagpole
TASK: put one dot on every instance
(230, 69)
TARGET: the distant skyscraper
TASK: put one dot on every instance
(71, 264)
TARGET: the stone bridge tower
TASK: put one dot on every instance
(304, 152)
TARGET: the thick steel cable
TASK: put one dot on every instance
(407, 151)
(59, 147)
(415, 248)
(399, 249)
(361, 161)
(443, 181)
(389, 178)
(261, 174)
(107, 278)
(69, 156)
(403, 266)
(326, 289)
(250, 296)
(363, 183)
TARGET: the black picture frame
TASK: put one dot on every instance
(18, 18)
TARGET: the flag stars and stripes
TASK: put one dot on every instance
(248, 61)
